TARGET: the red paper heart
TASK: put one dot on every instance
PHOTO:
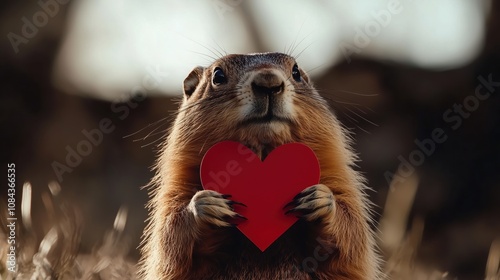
(264, 187)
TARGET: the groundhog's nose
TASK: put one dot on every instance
(267, 83)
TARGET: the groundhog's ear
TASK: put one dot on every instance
(192, 80)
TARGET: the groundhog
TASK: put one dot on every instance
(262, 101)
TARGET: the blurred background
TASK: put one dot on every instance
(89, 89)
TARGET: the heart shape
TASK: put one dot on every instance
(264, 187)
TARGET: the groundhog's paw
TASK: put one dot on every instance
(313, 203)
(211, 207)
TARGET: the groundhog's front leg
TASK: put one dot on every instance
(313, 203)
(212, 208)
(341, 231)
(187, 237)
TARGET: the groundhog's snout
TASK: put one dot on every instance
(269, 102)
(267, 83)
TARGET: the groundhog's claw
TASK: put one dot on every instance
(312, 203)
(211, 207)
(232, 202)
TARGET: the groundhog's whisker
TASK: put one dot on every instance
(217, 56)
(344, 105)
(212, 100)
(222, 52)
(300, 53)
(159, 122)
(356, 93)
(365, 119)
(151, 133)
(309, 71)
(156, 140)
(204, 54)
(294, 44)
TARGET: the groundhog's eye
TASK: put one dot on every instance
(219, 77)
(296, 73)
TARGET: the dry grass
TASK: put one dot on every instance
(399, 245)
(493, 264)
(56, 254)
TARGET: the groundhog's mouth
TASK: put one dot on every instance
(266, 111)
(265, 120)
(269, 118)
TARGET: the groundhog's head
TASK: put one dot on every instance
(261, 100)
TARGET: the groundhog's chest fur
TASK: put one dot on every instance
(238, 258)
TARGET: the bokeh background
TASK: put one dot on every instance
(393, 71)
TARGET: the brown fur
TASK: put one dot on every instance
(336, 243)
